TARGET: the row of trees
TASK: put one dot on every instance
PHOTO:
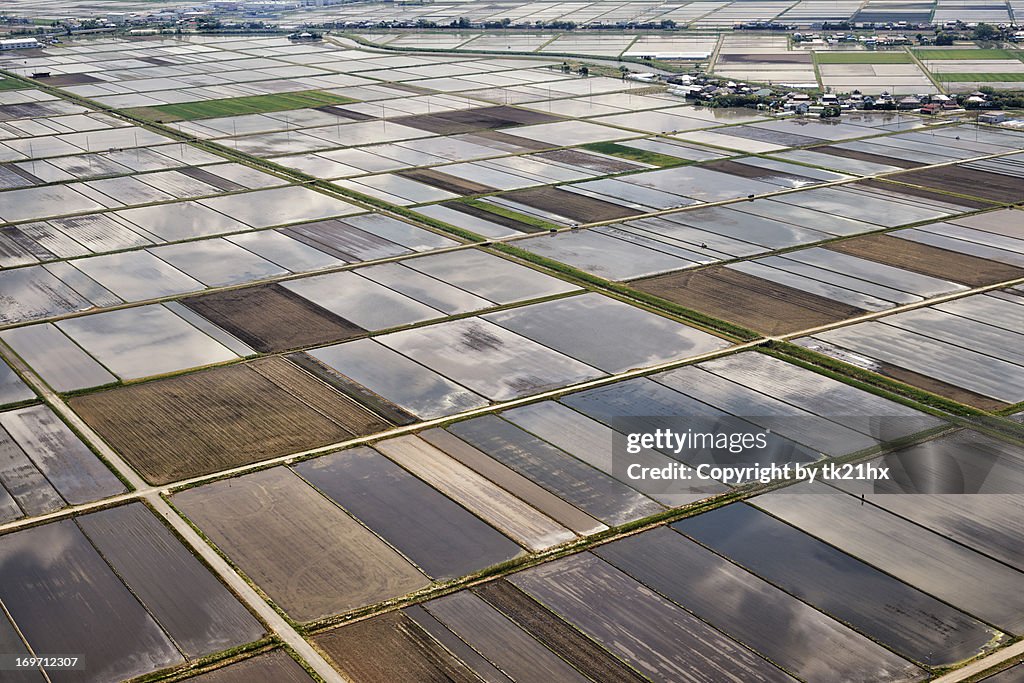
(464, 23)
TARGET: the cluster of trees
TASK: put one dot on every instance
(982, 33)
(583, 69)
(998, 100)
(733, 100)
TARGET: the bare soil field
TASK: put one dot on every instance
(271, 318)
(195, 424)
(994, 187)
(753, 302)
(577, 207)
(928, 260)
(470, 120)
(918, 191)
(310, 557)
(317, 394)
(341, 111)
(61, 80)
(524, 144)
(391, 647)
(446, 182)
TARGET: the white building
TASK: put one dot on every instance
(18, 43)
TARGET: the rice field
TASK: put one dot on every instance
(334, 371)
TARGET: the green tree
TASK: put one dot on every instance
(986, 32)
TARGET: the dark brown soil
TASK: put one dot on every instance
(409, 87)
(389, 648)
(576, 207)
(866, 156)
(928, 260)
(523, 144)
(155, 61)
(583, 653)
(922, 192)
(994, 187)
(341, 111)
(480, 118)
(271, 318)
(752, 302)
(448, 183)
(205, 176)
(483, 214)
(200, 423)
(69, 79)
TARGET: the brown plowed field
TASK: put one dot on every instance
(994, 187)
(576, 207)
(391, 647)
(446, 182)
(200, 423)
(470, 120)
(311, 557)
(928, 260)
(315, 393)
(752, 302)
(525, 144)
(270, 318)
(917, 191)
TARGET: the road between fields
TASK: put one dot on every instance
(274, 621)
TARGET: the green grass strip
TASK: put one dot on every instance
(632, 154)
(11, 84)
(235, 106)
(967, 54)
(862, 58)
